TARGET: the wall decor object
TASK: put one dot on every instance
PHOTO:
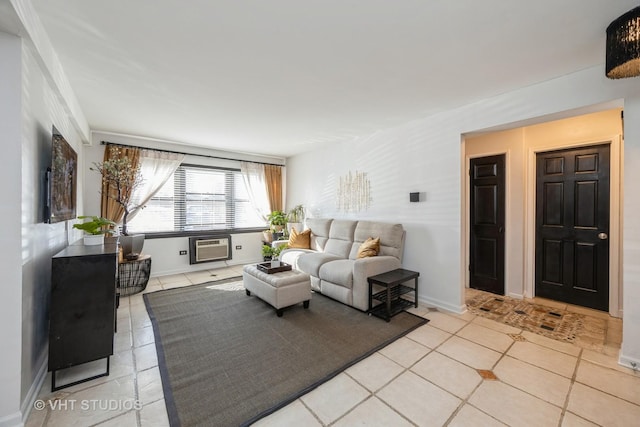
(414, 197)
(354, 192)
(62, 180)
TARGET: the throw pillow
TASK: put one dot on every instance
(300, 240)
(369, 247)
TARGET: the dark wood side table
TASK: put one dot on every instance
(390, 297)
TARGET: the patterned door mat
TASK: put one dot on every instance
(558, 324)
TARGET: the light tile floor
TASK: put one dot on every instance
(428, 378)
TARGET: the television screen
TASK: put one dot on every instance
(62, 179)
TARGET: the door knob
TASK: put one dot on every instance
(603, 236)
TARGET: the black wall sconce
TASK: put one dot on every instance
(414, 197)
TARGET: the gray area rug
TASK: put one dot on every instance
(226, 359)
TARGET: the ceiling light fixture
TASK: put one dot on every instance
(623, 46)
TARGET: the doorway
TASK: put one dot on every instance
(487, 223)
(521, 146)
(572, 226)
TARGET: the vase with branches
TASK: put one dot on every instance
(120, 177)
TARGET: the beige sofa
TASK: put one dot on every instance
(331, 261)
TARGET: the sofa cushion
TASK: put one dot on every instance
(339, 272)
(342, 229)
(319, 226)
(391, 237)
(339, 248)
(310, 263)
(340, 238)
(300, 240)
(319, 232)
(369, 247)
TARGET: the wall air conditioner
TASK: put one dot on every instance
(209, 248)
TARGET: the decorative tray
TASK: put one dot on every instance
(266, 267)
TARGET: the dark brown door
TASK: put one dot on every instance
(486, 240)
(572, 226)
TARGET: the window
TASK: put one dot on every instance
(198, 198)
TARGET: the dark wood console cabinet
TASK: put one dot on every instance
(83, 305)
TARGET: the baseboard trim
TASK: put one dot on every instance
(459, 309)
(629, 362)
(32, 394)
(516, 296)
(13, 420)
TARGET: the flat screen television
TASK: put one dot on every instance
(62, 180)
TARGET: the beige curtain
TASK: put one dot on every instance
(273, 182)
(109, 208)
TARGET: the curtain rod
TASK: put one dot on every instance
(186, 154)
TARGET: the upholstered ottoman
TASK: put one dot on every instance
(278, 289)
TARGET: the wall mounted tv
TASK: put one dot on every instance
(62, 180)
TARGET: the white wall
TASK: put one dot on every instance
(426, 156)
(10, 238)
(34, 95)
(630, 353)
(28, 109)
(40, 110)
(165, 258)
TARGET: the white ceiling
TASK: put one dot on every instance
(281, 77)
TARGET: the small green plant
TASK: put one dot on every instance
(278, 249)
(267, 251)
(95, 226)
(296, 214)
(277, 220)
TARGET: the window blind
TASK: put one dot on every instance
(198, 198)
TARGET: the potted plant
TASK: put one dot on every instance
(267, 252)
(295, 217)
(94, 229)
(277, 221)
(122, 178)
(267, 236)
(277, 250)
(270, 253)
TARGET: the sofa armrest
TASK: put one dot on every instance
(290, 255)
(367, 267)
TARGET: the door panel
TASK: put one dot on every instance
(572, 210)
(553, 203)
(552, 267)
(486, 257)
(587, 260)
(586, 202)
